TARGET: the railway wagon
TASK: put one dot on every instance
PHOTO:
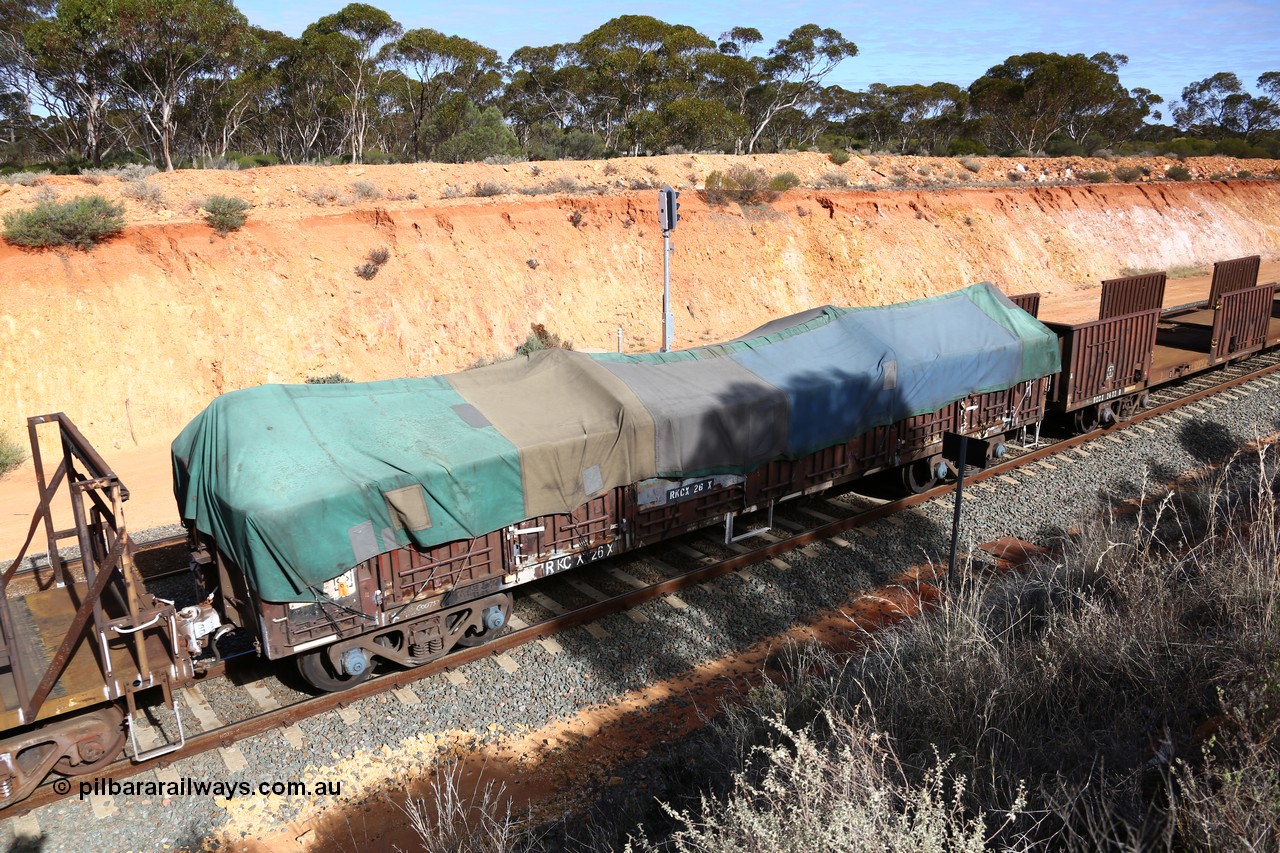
(82, 649)
(347, 524)
(1109, 365)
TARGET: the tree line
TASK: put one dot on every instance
(175, 82)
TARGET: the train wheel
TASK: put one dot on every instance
(492, 620)
(99, 740)
(1085, 419)
(922, 475)
(320, 673)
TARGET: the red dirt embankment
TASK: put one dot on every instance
(133, 338)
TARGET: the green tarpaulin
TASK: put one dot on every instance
(297, 483)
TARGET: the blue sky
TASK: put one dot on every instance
(1169, 44)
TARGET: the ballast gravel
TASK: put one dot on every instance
(489, 702)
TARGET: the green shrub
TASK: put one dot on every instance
(1014, 175)
(1244, 174)
(82, 222)
(1240, 149)
(11, 454)
(961, 147)
(784, 181)
(838, 156)
(1178, 173)
(328, 379)
(1064, 148)
(540, 339)
(1128, 174)
(224, 213)
(1098, 177)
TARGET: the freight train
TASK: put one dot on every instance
(361, 525)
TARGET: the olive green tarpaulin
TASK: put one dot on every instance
(297, 483)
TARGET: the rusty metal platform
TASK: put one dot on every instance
(41, 622)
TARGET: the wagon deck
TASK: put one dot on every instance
(41, 621)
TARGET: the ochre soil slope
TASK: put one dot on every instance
(133, 338)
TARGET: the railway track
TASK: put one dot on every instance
(561, 602)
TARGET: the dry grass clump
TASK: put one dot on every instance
(364, 190)
(1125, 695)
(486, 189)
(323, 195)
(447, 820)
(373, 263)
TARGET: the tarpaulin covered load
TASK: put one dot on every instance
(297, 483)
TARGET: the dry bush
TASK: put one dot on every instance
(836, 786)
(489, 188)
(564, 184)
(24, 179)
(322, 195)
(540, 339)
(363, 191)
(742, 184)
(147, 194)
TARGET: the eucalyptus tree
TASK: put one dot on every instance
(305, 106)
(732, 78)
(910, 117)
(546, 85)
(435, 66)
(166, 48)
(1219, 106)
(356, 40)
(1030, 97)
(71, 62)
(793, 71)
(635, 64)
